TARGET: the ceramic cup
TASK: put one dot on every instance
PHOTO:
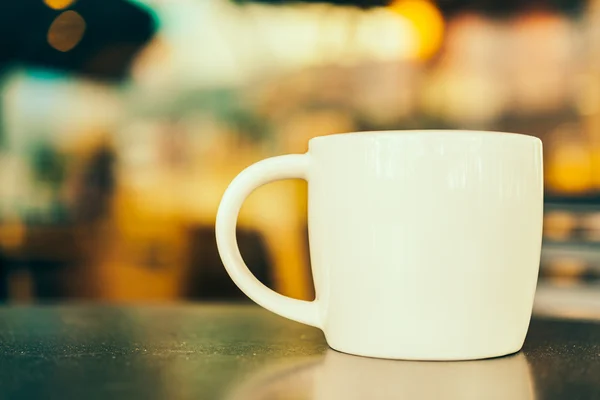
(425, 245)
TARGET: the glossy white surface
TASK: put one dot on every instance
(425, 245)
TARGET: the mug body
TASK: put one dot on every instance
(425, 244)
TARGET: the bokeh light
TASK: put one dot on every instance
(59, 4)
(427, 21)
(569, 165)
(66, 31)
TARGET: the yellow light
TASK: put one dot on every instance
(427, 21)
(59, 4)
(570, 169)
(66, 31)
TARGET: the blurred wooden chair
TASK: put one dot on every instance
(146, 250)
(136, 249)
(144, 254)
(143, 250)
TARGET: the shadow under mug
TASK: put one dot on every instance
(424, 245)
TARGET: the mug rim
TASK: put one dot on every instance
(428, 132)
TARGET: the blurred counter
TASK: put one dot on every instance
(243, 352)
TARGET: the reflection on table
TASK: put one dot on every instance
(343, 376)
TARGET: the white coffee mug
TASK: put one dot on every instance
(425, 245)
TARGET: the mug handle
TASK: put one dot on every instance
(256, 175)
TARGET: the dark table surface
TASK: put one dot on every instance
(243, 352)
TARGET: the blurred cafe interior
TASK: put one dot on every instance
(122, 122)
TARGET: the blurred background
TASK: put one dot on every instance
(122, 122)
